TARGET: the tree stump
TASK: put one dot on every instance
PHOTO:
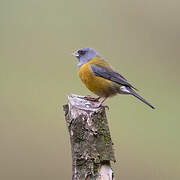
(90, 138)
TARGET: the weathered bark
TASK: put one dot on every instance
(91, 143)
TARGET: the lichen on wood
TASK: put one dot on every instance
(91, 143)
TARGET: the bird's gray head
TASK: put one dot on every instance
(84, 55)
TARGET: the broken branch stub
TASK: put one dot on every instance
(91, 143)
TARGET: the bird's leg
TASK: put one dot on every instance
(90, 98)
(101, 104)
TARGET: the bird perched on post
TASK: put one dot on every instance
(100, 78)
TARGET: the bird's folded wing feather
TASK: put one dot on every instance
(109, 74)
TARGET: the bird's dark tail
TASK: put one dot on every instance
(139, 97)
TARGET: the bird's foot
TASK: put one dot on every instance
(90, 98)
(101, 105)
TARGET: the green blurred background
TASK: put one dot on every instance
(141, 39)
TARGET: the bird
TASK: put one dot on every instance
(101, 78)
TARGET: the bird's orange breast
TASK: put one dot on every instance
(98, 85)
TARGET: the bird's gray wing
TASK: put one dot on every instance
(110, 75)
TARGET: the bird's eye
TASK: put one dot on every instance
(81, 52)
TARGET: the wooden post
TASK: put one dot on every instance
(91, 143)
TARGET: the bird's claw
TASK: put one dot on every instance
(101, 105)
(90, 98)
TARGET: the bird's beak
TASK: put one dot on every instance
(76, 54)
